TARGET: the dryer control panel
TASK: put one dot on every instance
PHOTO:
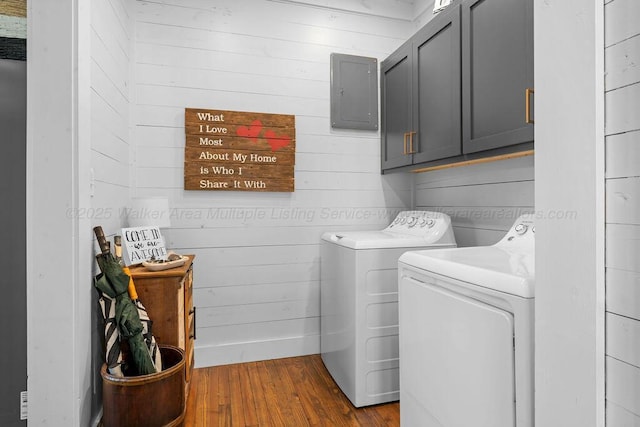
(521, 234)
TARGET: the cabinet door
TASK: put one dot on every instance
(497, 63)
(395, 95)
(162, 297)
(436, 104)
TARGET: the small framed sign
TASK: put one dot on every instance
(141, 244)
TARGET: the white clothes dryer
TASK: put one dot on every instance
(359, 302)
(466, 334)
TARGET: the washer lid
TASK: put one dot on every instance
(492, 267)
(383, 240)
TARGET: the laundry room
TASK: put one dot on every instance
(130, 101)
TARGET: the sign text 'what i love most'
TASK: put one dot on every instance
(239, 151)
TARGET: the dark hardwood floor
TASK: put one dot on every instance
(290, 392)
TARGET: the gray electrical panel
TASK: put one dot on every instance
(354, 92)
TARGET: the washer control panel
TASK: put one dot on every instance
(418, 222)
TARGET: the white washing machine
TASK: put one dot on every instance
(466, 334)
(359, 302)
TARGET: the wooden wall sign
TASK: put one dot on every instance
(239, 151)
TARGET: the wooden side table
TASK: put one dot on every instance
(168, 297)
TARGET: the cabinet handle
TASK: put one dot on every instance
(404, 143)
(527, 105)
(411, 142)
(193, 311)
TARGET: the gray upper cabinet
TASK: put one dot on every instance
(395, 98)
(497, 70)
(420, 95)
(436, 108)
(460, 88)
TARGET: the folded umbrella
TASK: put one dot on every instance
(149, 339)
(113, 282)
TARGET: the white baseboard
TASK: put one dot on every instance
(257, 350)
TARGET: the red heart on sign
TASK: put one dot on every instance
(276, 142)
(250, 132)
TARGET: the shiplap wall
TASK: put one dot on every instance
(622, 56)
(256, 275)
(110, 99)
(483, 200)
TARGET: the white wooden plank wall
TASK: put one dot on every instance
(110, 74)
(622, 56)
(111, 45)
(256, 275)
(483, 200)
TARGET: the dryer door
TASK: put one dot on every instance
(456, 359)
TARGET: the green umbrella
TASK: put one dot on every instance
(114, 282)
